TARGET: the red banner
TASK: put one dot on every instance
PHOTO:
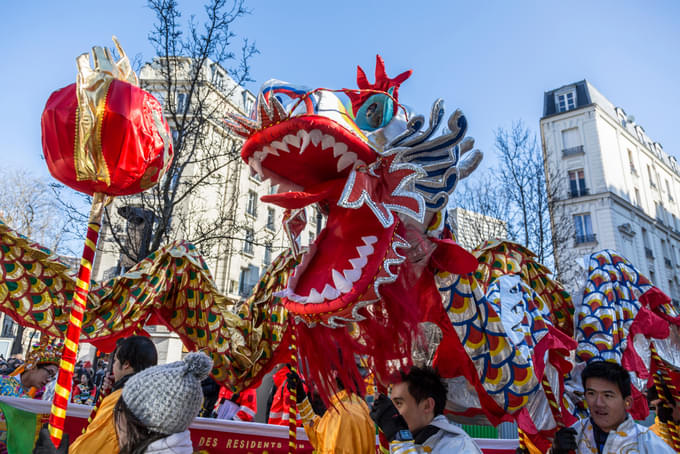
(216, 436)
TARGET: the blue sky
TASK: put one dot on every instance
(492, 59)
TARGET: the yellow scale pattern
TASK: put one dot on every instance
(173, 284)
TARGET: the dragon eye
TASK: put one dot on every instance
(374, 115)
(375, 112)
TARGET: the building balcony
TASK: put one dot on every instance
(667, 262)
(584, 239)
(579, 193)
(648, 253)
(573, 151)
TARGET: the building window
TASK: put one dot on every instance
(247, 280)
(651, 175)
(217, 77)
(668, 189)
(251, 207)
(566, 101)
(233, 286)
(660, 212)
(630, 161)
(583, 229)
(160, 97)
(577, 183)
(645, 241)
(268, 254)
(638, 200)
(7, 326)
(271, 217)
(652, 276)
(247, 102)
(571, 142)
(666, 256)
(248, 242)
(181, 105)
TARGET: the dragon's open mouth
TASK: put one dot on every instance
(330, 277)
(304, 151)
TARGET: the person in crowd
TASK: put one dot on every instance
(158, 405)
(83, 392)
(100, 374)
(27, 380)
(237, 406)
(278, 402)
(609, 429)
(155, 409)
(132, 355)
(413, 419)
(211, 392)
(667, 411)
(344, 428)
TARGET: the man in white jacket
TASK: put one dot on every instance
(610, 429)
(414, 422)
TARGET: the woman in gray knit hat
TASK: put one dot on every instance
(158, 405)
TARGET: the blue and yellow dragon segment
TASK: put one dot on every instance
(506, 342)
(625, 319)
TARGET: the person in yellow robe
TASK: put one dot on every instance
(132, 355)
(667, 412)
(346, 426)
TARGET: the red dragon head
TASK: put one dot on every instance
(380, 188)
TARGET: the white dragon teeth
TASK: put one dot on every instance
(304, 138)
(267, 150)
(338, 149)
(292, 140)
(301, 141)
(314, 296)
(358, 263)
(369, 239)
(352, 275)
(327, 141)
(330, 293)
(315, 135)
(346, 160)
(342, 284)
(280, 146)
(366, 250)
(256, 166)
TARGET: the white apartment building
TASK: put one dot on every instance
(260, 236)
(617, 188)
(472, 229)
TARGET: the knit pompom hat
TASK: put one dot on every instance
(167, 398)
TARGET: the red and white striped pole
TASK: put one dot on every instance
(62, 390)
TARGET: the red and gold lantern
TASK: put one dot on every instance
(106, 137)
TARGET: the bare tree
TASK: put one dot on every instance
(522, 192)
(197, 75)
(28, 206)
(486, 196)
(538, 217)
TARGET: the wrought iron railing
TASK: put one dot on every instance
(573, 151)
(589, 238)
